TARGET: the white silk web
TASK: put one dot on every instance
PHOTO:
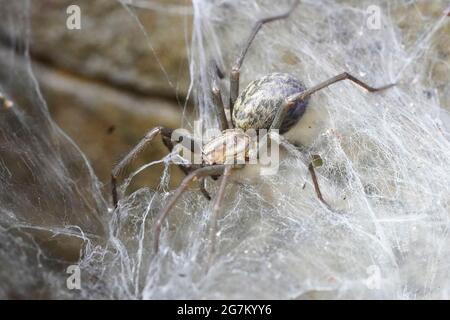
(386, 168)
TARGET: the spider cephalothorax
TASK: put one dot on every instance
(276, 102)
(232, 147)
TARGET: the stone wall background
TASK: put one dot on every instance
(104, 84)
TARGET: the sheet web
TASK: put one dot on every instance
(385, 169)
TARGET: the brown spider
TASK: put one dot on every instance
(275, 102)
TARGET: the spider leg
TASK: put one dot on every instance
(167, 141)
(166, 134)
(290, 101)
(217, 97)
(216, 212)
(218, 103)
(316, 184)
(187, 168)
(196, 174)
(202, 184)
(235, 70)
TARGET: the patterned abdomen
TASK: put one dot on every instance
(258, 103)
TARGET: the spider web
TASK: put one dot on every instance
(385, 171)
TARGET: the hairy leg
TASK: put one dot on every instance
(166, 137)
(217, 96)
(316, 184)
(216, 212)
(235, 70)
(197, 174)
(290, 102)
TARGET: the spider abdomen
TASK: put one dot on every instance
(258, 103)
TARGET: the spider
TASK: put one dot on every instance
(276, 101)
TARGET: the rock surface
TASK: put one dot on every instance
(109, 82)
(113, 47)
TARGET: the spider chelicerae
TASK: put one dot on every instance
(275, 102)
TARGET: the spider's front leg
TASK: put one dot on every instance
(166, 135)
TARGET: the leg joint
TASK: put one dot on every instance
(235, 71)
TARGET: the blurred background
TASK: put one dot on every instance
(109, 82)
